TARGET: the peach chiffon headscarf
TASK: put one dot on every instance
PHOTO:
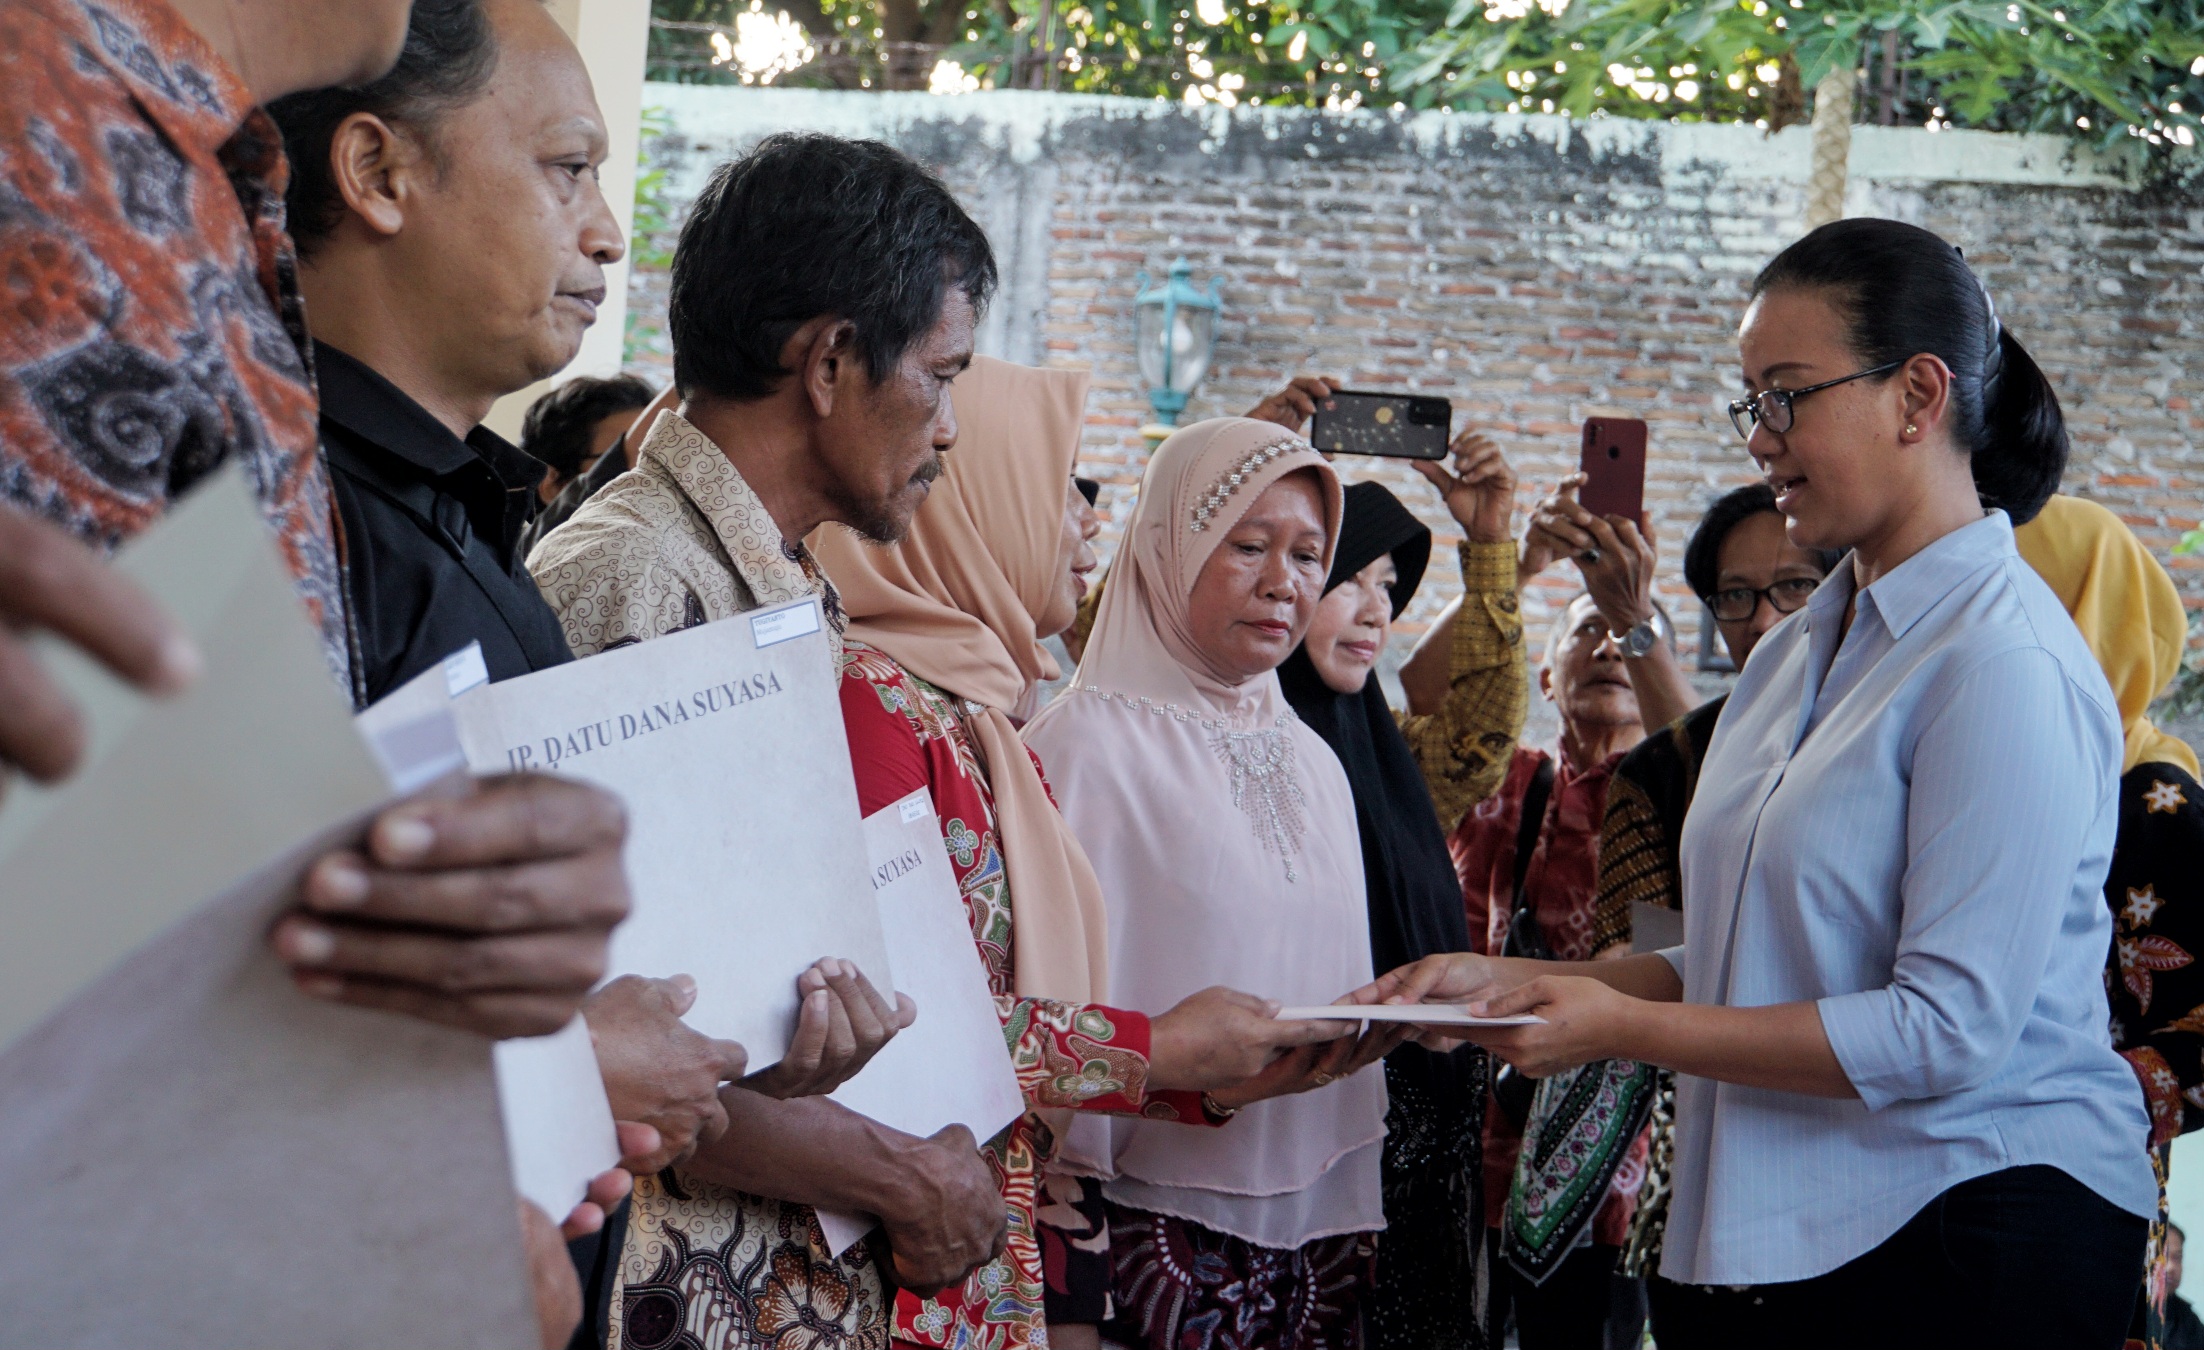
(955, 603)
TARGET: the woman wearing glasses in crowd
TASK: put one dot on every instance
(1899, 1117)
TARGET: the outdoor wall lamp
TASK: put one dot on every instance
(1174, 335)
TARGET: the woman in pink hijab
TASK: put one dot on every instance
(944, 644)
(1223, 832)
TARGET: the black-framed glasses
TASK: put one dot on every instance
(1738, 603)
(1772, 407)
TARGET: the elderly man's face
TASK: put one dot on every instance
(881, 444)
(1584, 673)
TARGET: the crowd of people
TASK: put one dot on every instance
(1908, 1077)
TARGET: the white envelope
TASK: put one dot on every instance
(558, 1123)
(952, 1066)
(1422, 1014)
(193, 1153)
(744, 856)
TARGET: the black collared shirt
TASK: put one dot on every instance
(432, 531)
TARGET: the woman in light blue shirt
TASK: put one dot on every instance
(1900, 1120)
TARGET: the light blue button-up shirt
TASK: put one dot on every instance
(1910, 828)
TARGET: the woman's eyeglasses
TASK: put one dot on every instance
(1738, 603)
(1772, 407)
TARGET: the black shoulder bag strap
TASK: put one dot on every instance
(1524, 936)
(1511, 1091)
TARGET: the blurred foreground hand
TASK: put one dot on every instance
(489, 910)
(49, 582)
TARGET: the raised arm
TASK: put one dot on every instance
(1463, 744)
(1617, 560)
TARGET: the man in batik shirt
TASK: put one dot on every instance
(839, 416)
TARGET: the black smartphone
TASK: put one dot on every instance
(1399, 426)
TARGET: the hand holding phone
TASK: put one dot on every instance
(1613, 464)
(1398, 426)
(1479, 491)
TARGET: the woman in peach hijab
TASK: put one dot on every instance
(944, 645)
(1224, 834)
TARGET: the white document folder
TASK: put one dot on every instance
(744, 857)
(952, 1066)
(193, 1153)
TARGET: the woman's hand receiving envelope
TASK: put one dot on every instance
(1308, 1067)
(1220, 1038)
(1234, 1047)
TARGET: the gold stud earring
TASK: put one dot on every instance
(1910, 429)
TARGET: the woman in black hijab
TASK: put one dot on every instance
(1430, 1272)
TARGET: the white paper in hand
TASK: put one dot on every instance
(76, 891)
(558, 1124)
(744, 858)
(1423, 1014)
(559, 1132)
(952, 1066)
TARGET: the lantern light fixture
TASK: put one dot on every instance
(1174, 336)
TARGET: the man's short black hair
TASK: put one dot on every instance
(805, 225)
(449, 56)
(560, 426)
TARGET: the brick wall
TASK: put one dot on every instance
(1533, 270)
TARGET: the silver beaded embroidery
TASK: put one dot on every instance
(1265, 786)
(1212, 501)
(1265, 782)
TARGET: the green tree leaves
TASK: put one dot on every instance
(2125, 76)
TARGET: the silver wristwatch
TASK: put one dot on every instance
(1639, 640)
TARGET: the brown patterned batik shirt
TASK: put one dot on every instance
(150, 323)
(677, 541)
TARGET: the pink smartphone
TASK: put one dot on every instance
(1614, 468)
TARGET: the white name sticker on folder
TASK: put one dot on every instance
(463, 670)
(783, 625)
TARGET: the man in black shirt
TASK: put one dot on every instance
(453, 243)
(432, 528)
